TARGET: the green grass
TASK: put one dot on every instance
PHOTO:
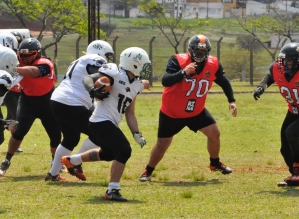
(182, 185)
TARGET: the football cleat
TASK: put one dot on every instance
(49, 177)
(4, 167)
(72, 169)
(145, 176)
(114, 195)
(222, 168)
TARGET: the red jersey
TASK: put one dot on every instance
(288, 90)
(187, 98)
(41, 85)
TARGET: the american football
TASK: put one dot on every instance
(103, 81)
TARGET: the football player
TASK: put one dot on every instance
(72, 105)
(284, 72)
(12, 97)
(37, 86)
(8, 62)
(128, 80)
(189, 77)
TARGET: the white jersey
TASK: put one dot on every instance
(71, 90)
(7, 80)
(122, 94)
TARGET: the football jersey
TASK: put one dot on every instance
(71, 90)
(122, 94)
(189, 95)
(289, 90)
(7, 80)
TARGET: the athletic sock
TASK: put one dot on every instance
(214, 161)
(8, 156)
(113, 185)
(76, 159)
(86, 146)
(149, 169)
(56, 164)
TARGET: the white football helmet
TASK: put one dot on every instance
(9, 40)
(136, 60)
(102, 48)
(8, 60)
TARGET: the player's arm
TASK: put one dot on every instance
(266, 82)
(34, 71)
(224, 83)
(133, 124)
(88, 82)
(173, 74)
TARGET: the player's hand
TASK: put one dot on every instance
(139, 139)
(10, 125)
(258, 92)
(97, 93)
(232, 106)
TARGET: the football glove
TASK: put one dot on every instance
(258, 92)
(10, 125)
(97, 93)
(139, 139)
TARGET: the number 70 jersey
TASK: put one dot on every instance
(122, 93)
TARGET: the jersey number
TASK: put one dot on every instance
(203, 87)
(288, 96)
(122, 103)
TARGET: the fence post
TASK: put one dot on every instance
(251, 62)
(114, 48)
(185, 44)
(77, 47)
(151, 58)
(218, 48)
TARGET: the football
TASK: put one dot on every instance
(103, 81)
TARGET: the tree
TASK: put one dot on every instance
(61, 17)
(174, 29)
(245, 41)
(274, 23)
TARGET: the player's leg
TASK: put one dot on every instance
(25, 117)
(168, 127)
(205, 123)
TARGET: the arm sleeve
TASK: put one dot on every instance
(173, 73)
(44, 70)
(268, 79)
(88, 81)
(224, 83)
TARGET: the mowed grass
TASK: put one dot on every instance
(182, 185)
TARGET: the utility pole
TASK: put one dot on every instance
(93, 20)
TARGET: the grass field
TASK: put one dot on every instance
(182, 185)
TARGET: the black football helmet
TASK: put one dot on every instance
(29, 51)
(18, 36)
(199, 48)
(289, 51)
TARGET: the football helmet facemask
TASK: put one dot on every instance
(102, 48)
(8, 60)
(29, 50)
(199, 48)
(136, 60)
(289, 53)
(9, 40)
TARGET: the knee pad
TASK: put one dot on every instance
(124, 155)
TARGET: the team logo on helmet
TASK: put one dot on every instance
(137, 57)
(97, 46)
